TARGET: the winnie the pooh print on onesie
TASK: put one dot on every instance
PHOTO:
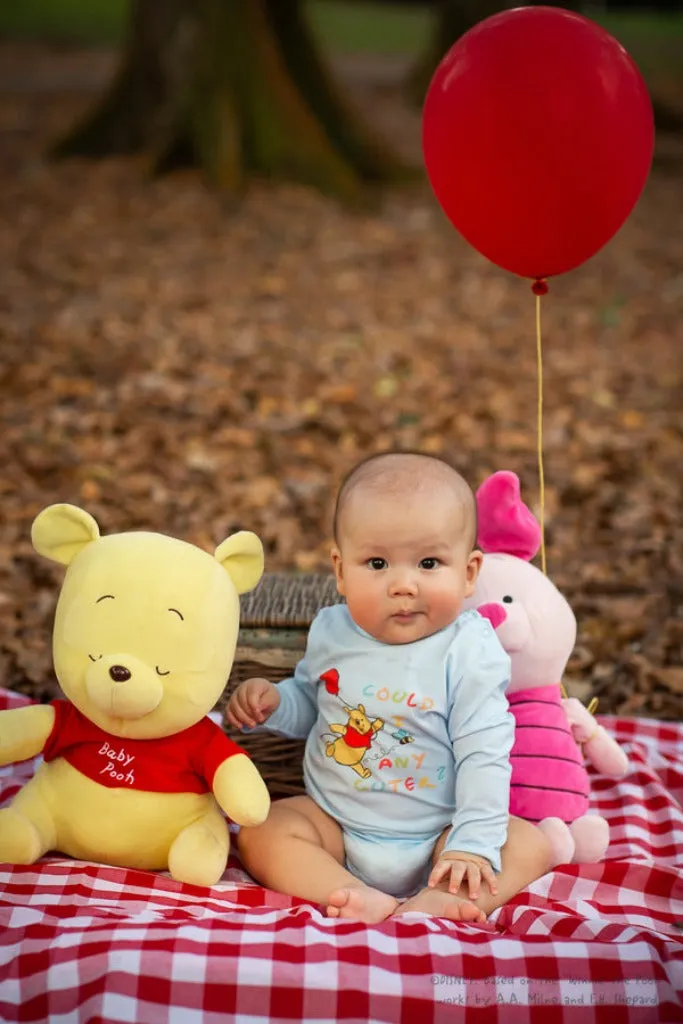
(355, 740)
(355, 737)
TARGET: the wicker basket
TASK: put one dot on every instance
(274, 623)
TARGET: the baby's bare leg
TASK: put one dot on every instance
(299, 850)
(524, 858)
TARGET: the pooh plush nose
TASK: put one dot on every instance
(123, 686)
(119, 673)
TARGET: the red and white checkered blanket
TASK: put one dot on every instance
(588, 944)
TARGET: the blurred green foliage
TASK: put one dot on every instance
(343, 27)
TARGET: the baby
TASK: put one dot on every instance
(401, 698)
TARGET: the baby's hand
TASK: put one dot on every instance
(252, 703)
(460, 864)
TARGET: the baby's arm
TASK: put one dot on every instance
(290, 708)
(482, 732)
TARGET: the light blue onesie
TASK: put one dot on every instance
(403, 739)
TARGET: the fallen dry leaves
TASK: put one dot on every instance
(174, 363)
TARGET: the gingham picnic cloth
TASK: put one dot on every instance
(82, 942)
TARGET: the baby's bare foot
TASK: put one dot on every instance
(439, 903)
(361, 904)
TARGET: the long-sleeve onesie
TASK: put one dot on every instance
(403, 739)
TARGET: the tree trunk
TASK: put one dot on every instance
(667, 118)
(238, 88)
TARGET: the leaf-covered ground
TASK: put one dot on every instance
(175, 363)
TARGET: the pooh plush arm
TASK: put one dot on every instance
(241, 792)
(24, 732)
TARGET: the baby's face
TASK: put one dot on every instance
(404, 565)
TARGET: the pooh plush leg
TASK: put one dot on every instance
(27, 829)
(199, 853)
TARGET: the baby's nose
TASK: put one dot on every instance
(403, 583)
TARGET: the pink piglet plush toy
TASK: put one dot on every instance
(537, 628)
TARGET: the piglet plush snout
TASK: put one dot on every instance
(494, 612)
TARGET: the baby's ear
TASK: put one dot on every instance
(242, 558)
(337, 568)
(474, 564)
(59, 532)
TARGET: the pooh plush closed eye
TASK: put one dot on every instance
(135, 773)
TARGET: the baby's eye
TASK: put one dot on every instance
(376, 564)
(430, 563)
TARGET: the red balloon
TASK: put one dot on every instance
(331, 681)
(538, 136)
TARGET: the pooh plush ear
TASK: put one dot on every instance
(59, 532)
(242, 558)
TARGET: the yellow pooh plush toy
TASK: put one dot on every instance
(135, 773)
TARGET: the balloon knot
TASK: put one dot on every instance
(540, 286)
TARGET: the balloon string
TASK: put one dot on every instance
(541, 476)
(539, 289)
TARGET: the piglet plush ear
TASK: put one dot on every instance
(506, 525)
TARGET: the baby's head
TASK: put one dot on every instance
(404, 556)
